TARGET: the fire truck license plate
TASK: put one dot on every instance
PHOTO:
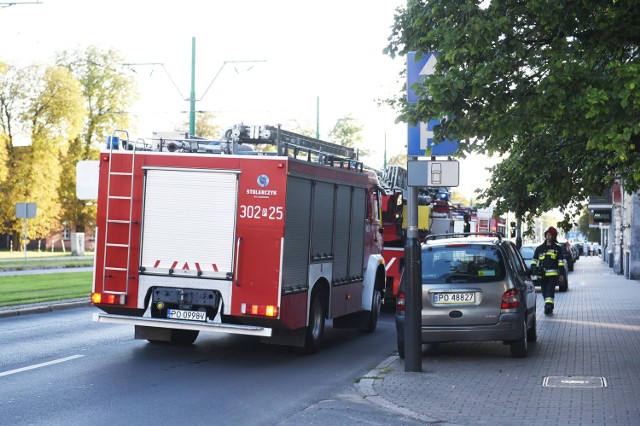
(186, 315)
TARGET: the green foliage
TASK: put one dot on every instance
(108, 89)
(63, 111)
(592, 234)
(459, 197)
(347, 132)
(398, 160)
(48, 110)
(551, 86)
(206, 126)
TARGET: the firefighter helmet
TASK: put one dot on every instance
(551, 231)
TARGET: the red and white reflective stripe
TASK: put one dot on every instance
(186, 266)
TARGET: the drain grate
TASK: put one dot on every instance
(575, 382)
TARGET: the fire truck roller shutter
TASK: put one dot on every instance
(349, 234)
(208, 241)
(358, 218)
(295, 263)
(322, 224)
(341, 235)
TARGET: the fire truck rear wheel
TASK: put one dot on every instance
(315, 329)
(372, 316)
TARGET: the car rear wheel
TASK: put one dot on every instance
(519, 347)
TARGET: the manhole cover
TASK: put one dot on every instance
(576, 382)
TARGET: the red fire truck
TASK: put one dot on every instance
(267, 244)
(434, 217)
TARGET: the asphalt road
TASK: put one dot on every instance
(61, 368)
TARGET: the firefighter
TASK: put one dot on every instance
(548, 256)
(467, 223)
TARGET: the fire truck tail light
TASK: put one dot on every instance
(259, 310)
(107, 299)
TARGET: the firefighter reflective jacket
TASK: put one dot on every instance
(550, 258)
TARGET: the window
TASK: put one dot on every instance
(471, 263)
(66, 232)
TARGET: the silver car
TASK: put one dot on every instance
(475, 287)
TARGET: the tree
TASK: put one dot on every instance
(553, 86)
(398, 160)
(347, 132)
(459, 197)
(591, 234)
(206, 126)
(49, 110)
(108, 92)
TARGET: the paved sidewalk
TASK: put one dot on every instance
(588, 352)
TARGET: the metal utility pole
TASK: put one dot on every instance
(413, 287)
(192, 96)
(318, 117)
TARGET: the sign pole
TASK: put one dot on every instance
(413, 290)
(24, 237)
(420, 174)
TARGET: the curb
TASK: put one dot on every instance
(367, 388)
(41, 308)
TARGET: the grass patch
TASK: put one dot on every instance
(23, 289)
(70, 262)
(18, 255)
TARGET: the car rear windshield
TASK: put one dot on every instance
(473, 263)
(527, 252)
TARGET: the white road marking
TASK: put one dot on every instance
(44, 364)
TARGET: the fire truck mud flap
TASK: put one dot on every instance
(246, 330)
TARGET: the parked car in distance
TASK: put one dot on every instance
(475, 287)
(526, 251)
(576, 251)
(567, 254)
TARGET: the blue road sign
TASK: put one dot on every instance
(420, 137)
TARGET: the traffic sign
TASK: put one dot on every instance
(25, 210)
(420, 137)
(435, 173)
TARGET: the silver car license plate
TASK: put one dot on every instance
(454, 298)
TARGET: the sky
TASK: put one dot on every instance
(305, 59)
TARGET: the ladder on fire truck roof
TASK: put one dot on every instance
(296, 144)
(111, 246)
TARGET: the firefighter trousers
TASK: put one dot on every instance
(548, 287)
